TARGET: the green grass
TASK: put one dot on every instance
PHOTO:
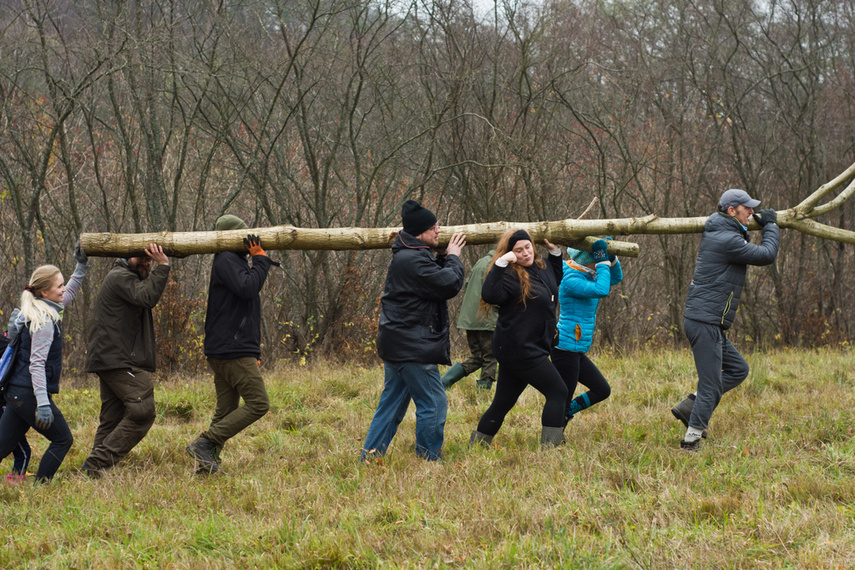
(774, 485)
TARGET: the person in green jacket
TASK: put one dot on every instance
(479, 331)
(122, 352)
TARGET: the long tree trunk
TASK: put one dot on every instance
(564, 232)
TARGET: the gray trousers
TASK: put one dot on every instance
(720, 368)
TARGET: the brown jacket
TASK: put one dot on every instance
(122, 335)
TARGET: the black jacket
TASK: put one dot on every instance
(525, 333)
(414, 319)
(233, 319)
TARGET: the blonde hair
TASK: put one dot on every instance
(525, 283)
(33, 308)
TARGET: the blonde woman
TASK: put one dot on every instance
(36, 371)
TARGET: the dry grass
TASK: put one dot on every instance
(771, 488)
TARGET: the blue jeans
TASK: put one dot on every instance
(405, 381)
(19, 417)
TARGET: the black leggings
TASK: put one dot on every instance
(576, 368)
(20, 416)
(510, 385)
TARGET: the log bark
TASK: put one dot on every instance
(573, 232)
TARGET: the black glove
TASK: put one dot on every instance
(768, 216)
(599, 251)
(79, 254)
(253, 244)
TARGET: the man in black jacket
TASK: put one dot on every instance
(233, 344)
(413, 333)
(723, 259)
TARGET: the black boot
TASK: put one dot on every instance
(202, 449)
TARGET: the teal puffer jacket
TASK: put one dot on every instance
(579, 294)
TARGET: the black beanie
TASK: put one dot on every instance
(518, 235)
(416, 218)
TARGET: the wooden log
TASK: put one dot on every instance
(573, 232)
(182, 244)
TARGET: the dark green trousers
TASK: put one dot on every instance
(127, 413)
(235, 379)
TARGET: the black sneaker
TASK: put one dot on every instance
(202, 450)
(690, 446)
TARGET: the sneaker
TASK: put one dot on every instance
(683, 411)
(15, 478)
(690, 446)
(202, 450)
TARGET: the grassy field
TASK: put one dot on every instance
(774, 485)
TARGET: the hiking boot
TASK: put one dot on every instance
(683, 412)
(215, 453)
(551, 436)
(452, 375)
(202, 450)
(91, 471)
(480, 438)
(690, 446)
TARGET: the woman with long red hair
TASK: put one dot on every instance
(525, 289)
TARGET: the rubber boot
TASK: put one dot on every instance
(452, 375)
(683, 411)
(551, 436)
(478, 438)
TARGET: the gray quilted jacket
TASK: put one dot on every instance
(723, 257)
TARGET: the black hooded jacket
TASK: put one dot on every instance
(414, 319)
(233, 318)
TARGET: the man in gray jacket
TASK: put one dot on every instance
(121, 351)
(723, 258)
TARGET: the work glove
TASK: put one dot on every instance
(253, 244)
(79, 254)
(509, 257)
(44, 417)
(599, 251)
(767, 216)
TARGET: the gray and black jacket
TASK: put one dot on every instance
(723, 257)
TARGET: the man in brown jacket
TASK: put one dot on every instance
(121, 351)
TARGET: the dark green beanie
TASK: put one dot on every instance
(229, 222)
